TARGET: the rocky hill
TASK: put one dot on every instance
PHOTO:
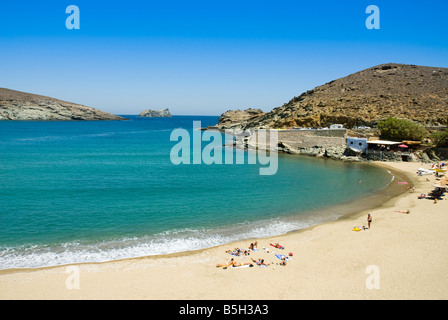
(412, 92)
(164, 113)
(17, 105)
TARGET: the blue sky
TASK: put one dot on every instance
(206, 57)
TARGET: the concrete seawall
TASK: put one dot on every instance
(319, 143)
(312, 138)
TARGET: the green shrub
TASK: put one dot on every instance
(440, 139)
(401, 129)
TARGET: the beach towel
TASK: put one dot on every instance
(281, 256)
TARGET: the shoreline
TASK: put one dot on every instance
(182, 270)
(339, 211)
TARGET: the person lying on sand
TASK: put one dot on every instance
(238, 252)
(277, 245)
(260, 262)
(235, 252)
(230, 263)
(236, 264)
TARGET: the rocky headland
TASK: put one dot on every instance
(17, 105)
(416, 93)
(164, 113)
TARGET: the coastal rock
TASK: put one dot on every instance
(417, 93)
(233, 119)
(17, 105)
(336, 152)
(350, 152)
(284, 147)
(441, 153)
(164, 113)
(351, 159)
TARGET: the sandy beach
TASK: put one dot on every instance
(402, 256)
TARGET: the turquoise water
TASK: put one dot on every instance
(103, 190)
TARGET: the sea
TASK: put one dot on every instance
(94, 191)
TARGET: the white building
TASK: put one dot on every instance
(336, 126)
(358, 144)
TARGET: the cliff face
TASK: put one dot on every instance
(16, 105)
(156, 114)
(412, 92)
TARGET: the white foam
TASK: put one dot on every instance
(170, 241)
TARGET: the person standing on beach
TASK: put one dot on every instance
(369, 220)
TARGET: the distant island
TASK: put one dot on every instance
(17, 105)
(164, 113)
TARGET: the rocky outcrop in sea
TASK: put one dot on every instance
(164, 113)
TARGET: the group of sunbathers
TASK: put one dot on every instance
(238, 252)
(242, 252)
(435, 194)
